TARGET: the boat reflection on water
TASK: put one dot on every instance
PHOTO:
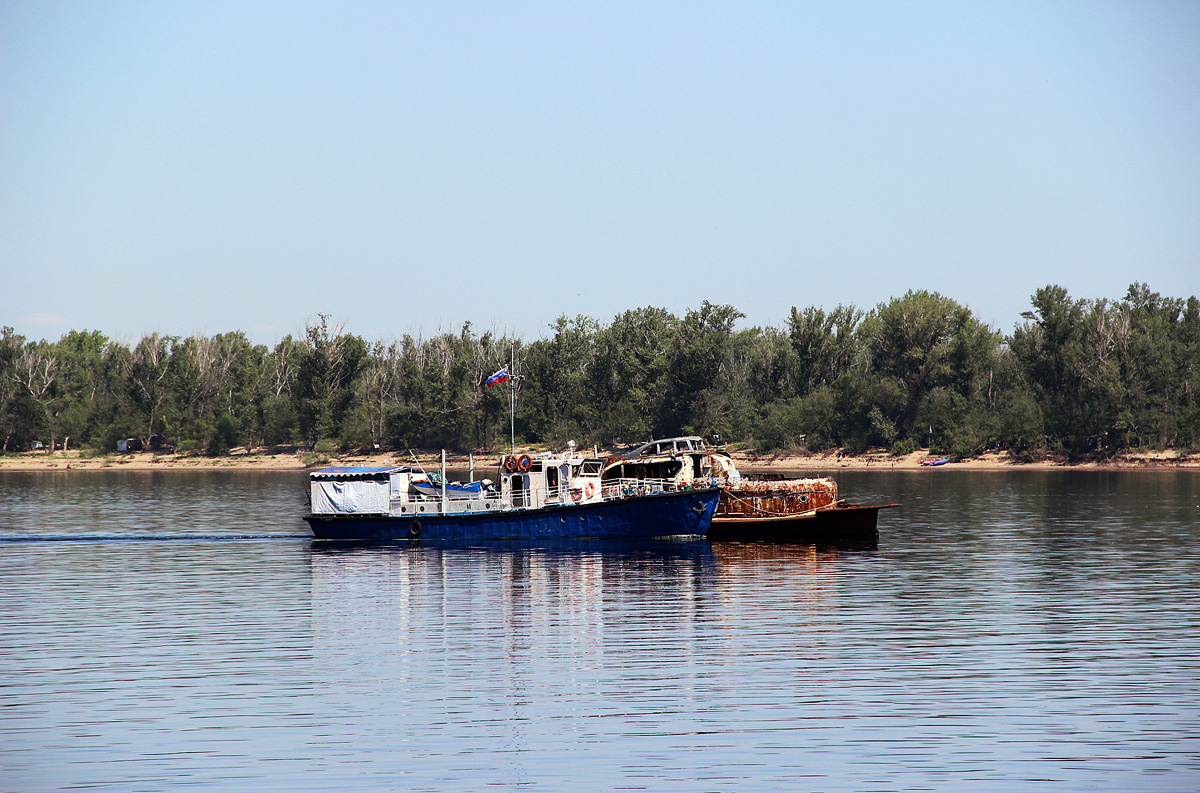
(530, 650)
(489, 569)
(587, 586)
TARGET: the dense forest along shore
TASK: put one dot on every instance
(485, 463)
(1075, 380)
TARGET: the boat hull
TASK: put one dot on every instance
(658, 515)
(839, 524)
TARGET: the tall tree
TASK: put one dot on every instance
(1150, 350)
(148, 368)
(379, 387)
(631, 373)
(825, 344)
(329, 364)
(36, 369)
(933, 356)
(82, 383)
(697, 364)
(558, 406)
(1187, 372)
(277, 410)
(11, 391)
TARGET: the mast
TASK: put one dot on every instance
(512, 399)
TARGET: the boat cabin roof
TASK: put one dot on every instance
(358, 472)
(684, 443)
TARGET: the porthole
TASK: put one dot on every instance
(803, 499)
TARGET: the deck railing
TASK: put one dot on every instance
(611, 489)
(453, 495)
(625, 488)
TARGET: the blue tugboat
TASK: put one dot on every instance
(548, 496)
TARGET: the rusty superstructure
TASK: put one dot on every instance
(793, 510)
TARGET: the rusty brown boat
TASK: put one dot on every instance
(751, 509)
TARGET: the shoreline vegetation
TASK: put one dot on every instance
(748, 462)
(1086, 382)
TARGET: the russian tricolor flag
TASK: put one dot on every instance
(499, 377)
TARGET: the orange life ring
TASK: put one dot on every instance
(589, 490)
(510, 463)
(524, 462)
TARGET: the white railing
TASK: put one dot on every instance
(626, 488)
(453, 495)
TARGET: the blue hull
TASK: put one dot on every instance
(658, 515)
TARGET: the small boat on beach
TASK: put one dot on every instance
(547, 496)
(751, 509)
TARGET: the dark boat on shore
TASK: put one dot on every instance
(547, 497)
(751, 509)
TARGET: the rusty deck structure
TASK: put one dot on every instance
(751, 510)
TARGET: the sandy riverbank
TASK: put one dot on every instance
(748, 463)
(832, 461)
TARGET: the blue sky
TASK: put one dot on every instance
(205, 167)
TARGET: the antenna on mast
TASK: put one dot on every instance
(512, 399)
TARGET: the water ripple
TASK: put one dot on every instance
(1012, 632)
(147, 537)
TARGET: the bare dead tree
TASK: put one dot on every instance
(36, 369)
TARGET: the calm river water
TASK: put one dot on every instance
(1013, 631)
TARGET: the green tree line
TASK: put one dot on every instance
(1080, 376)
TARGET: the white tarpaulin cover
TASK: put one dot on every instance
(355, 496)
